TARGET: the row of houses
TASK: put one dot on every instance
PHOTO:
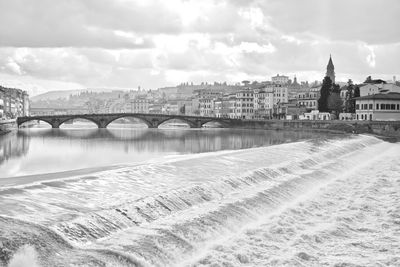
(261, 103)
(13, 103)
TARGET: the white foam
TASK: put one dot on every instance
(26, 256)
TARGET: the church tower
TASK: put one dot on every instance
(330, 70)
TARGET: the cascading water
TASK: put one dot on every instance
(280, 205)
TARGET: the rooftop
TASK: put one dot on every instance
(389, 96)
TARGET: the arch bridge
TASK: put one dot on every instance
(151, 120)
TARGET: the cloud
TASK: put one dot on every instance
(369, 21)
(154, 43)
(89, 23)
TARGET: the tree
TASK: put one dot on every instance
(182, 109)
(335, 104)
(324, 94)
(368, 79)
(357, 91)
(246, 83)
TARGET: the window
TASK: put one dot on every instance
(382, 106)
(377, 106)
(357, 106)
(370, 106)
(393, 106)
(398, 106)
(387, 106)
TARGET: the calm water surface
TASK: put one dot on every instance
(43, 150)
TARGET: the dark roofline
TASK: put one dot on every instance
(389, 96)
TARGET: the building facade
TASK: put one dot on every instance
(371, 89)
(378, 107)
(245, 104)
(137, 105)
(280, 79)
(14, 103)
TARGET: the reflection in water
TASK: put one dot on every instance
(13, 146)
(38, 151)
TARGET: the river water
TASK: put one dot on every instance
(209, 197)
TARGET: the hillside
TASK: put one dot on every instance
(53, 95)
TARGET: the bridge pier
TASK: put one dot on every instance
(102, 123)
(55, 124)
(196, 124)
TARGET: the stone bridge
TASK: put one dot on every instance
(151, 120)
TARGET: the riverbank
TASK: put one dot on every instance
(7, 126)
(380, 128)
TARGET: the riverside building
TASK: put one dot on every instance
(378, 107)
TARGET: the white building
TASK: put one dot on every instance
(378, 107)
(280, 79)
(315, 115)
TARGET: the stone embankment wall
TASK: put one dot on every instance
(7, 126)
(384, 128)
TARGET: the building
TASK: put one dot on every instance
(171, 108)
(330, 70)
(263, 103)
(222, 107)
(281, 94)
(371, 89)
(280, 79)
(2, 96)
(15, 103)
(378, 107)
(245, 104)
(315, 115)
(137, 105)
(206, 102)
(38, 111)
(309, 98)
(25, 104)
(155, 108)
(185, 107)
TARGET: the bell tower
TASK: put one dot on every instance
(330, 70)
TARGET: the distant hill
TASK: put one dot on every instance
(53, 95)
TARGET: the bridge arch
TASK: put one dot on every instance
(64, 120)
(140, 118)
(35, 119)
(190, 123)
(217, 121)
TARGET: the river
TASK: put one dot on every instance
(198, 197)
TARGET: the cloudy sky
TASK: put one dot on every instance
(68, 44)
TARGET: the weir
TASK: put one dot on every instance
(161, 214)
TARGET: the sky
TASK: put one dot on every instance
(70, 44)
